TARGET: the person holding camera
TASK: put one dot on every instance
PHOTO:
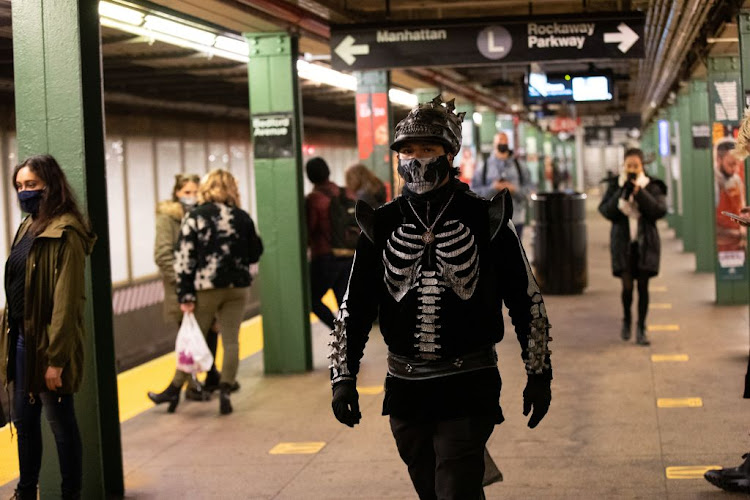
(634, 202)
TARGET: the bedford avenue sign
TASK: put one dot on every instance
(477, 42)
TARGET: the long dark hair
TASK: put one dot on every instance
(57, 197)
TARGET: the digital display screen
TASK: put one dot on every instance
(556, 88)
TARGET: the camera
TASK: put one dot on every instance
(631, 176)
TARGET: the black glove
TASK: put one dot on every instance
(345, 403)
(538, 395)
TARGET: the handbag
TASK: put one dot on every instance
(193, 354)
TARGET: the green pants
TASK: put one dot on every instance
(227, 305)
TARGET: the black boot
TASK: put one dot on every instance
(732, 479)
(625, 331)
(640, 335)
(169, 395)
(212, 380)
(225, 402)
(24, 494)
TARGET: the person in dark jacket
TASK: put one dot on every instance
(435, 265)
(41, 342)
(329, 267)
(217, 244)
(634, 202)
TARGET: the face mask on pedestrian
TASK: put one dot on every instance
(422, 175)
(30, 200)
(502, 148)
(188, 202)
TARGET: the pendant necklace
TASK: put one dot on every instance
(428, 236)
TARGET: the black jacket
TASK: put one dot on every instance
(469, 311)
(652, 205)
(217, 244)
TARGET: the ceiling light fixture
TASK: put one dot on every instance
(154, 27)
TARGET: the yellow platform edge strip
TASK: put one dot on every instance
(663, 328)
(679, 403)
(662, 358)
(300, 448)
(689, 471)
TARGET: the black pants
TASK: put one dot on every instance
(629, 277)
(446, 457)
(327, 272)
(62, 419)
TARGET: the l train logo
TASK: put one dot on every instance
(494, 42)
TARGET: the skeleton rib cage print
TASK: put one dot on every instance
(449, 263)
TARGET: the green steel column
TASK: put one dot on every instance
(58, 91)
(703, 180)
(284, 291)
(534, 154)
(744, 35)
(374, 127)
(487, 130)
(725, 111)
(676, 187)
(686, 153)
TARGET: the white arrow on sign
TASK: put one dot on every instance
(625, 36)
(346, 50)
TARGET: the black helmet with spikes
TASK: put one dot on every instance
(431, 121)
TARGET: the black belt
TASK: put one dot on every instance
(407, 368)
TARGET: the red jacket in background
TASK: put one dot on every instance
(317, 204)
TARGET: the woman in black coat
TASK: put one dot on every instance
(634, 202)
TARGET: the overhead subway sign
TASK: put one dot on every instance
(471, 43)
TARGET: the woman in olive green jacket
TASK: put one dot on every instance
(41, 343)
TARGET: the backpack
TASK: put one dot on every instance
(344, 228)
(521, 179)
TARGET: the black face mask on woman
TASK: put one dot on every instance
(30, 200)
(502, 148)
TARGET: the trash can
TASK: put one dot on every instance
(560, 242)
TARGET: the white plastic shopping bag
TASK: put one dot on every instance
(193, 355)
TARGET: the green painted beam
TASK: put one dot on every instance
(703, 182)
(58, 92)
(284, 290)
(725, 99)
(676, 174)
(687, 167)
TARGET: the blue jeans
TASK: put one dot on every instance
(27, 417)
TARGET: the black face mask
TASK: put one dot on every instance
(502, 148)
(424, 174)
(30, 200)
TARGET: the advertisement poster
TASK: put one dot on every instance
(730, 196)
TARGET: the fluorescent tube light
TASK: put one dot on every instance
(232, 45)
(179, 30)
(402, 97)
(181, 35)
(120, 13)
(327, 76)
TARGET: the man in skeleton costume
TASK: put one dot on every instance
(436, 264)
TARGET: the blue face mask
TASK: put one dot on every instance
(30, 200)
